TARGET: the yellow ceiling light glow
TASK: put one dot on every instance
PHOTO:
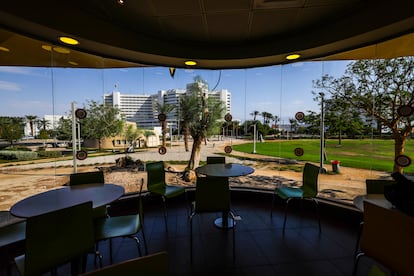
(4, 49)
(74, 63)
(190, 62)
(293, 56)
(47, 47)
(68, 40)
(61, 50)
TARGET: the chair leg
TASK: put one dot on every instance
(286, 208)
(361, 225)
(191, 238)
(356, 263)
(165, 213)
(317, 213)
(135, 238)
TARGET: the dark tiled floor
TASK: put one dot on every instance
(261, 246)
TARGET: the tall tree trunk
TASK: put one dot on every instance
(340, 137)
(164, 131)
(195, 153)
(398, 149)
(186, 134)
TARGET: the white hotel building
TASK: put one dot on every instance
(140, 108)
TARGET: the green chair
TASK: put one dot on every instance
(387, 238)
(216, 159)
(125, 226)
(84, 178)
(156, 185)
(56, 238)
(308, 190)
(154, 264)
(212, 195)
(12, 240)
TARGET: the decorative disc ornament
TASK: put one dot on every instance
(80, 113)
(299, 151)
(81, 155)
(403, 160)
(228, 117)
(299, 115)
(162, 150)
(228, 149)
(405, 110)
(162, 117)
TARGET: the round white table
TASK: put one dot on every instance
(99, 194)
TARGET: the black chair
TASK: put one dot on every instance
(216, 160)
(212, 195)
(56, 238)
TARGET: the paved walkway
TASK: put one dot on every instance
(175, 153)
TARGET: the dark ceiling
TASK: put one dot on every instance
(216, 33)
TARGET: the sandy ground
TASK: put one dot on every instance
(17, 183)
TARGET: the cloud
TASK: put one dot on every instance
(15, 70)
(9, 86)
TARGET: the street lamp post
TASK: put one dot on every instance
(322, 134)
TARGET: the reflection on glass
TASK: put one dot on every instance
(266, 100)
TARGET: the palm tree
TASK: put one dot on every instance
(254, 114)
(31, 119)
(188, 105)
(164, 109)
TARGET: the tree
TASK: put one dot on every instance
(206, 121)
(31, 119)
(254, 114)
(43, 124)
(101, 121)
(164, 109)
(11, 128)
(378, 88)
(188, 105)
(64, 129)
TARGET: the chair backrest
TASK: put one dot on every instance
(84, 178)
(212, 194)
(155, 176)
(376, 186)
(216, 159)
(87, 178)
(310, 180)
(387, 237)
(57, 237)
(154, 264)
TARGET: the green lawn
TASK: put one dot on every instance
(365, 154)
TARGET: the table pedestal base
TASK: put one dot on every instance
(224, 224)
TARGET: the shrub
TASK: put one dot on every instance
(18, 155)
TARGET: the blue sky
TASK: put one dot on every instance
(280, 90)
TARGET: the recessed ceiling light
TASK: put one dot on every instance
(120, 2)
(190, 62)
(68, 40)
(47, 47)
(293, 56)
(61, 50)
(4, 49)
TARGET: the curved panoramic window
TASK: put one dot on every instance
(335, 114)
